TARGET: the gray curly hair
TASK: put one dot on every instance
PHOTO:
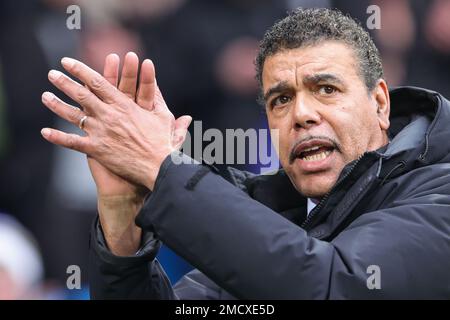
(304, 27)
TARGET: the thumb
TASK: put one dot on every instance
(181, 129)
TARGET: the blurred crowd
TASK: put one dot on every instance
(203, 52)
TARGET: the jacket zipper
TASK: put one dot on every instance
(324, 199)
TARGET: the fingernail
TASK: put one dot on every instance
(67, 62)
(47, 96)
(54, 74)
(45, 132)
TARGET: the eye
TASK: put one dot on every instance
(327, 90)
(280, 100)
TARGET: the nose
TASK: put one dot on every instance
(305, 114)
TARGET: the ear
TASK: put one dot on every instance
(380, 95)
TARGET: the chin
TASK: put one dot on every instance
(314, 187)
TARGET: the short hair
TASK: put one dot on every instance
(305, 27)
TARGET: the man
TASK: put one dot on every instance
(380, 179)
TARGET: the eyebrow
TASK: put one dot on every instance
(279, 87)
(322, 77)
(314, 79)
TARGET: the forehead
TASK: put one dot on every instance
(291, 64)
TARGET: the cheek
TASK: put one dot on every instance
(353, 132)
(279, 135)
(285, 144)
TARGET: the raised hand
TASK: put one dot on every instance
(109, 184)
(130, 141)
(116, 121)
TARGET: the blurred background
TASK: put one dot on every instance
(203, 52)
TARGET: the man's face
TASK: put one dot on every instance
(325, 116)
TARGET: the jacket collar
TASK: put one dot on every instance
(416, 115)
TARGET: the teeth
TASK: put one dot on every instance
(311, 149)
(317, 157)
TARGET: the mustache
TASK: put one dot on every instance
(333, 142)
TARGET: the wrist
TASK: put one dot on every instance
(117, 215)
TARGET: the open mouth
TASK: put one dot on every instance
(314, 150)
(316, 153)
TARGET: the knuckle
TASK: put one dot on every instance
(97, 82)
(82, 94)
(70, 142)
(111, 118)
(125, 106)
(75, 114)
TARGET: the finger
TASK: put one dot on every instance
(128, 79)
(74, 90)
(181, 129)
(67, 140)
(96, 82)
(111, 69)
(65, 110)
(146, 92)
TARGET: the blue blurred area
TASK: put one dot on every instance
(174, 265)
(82, 294)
